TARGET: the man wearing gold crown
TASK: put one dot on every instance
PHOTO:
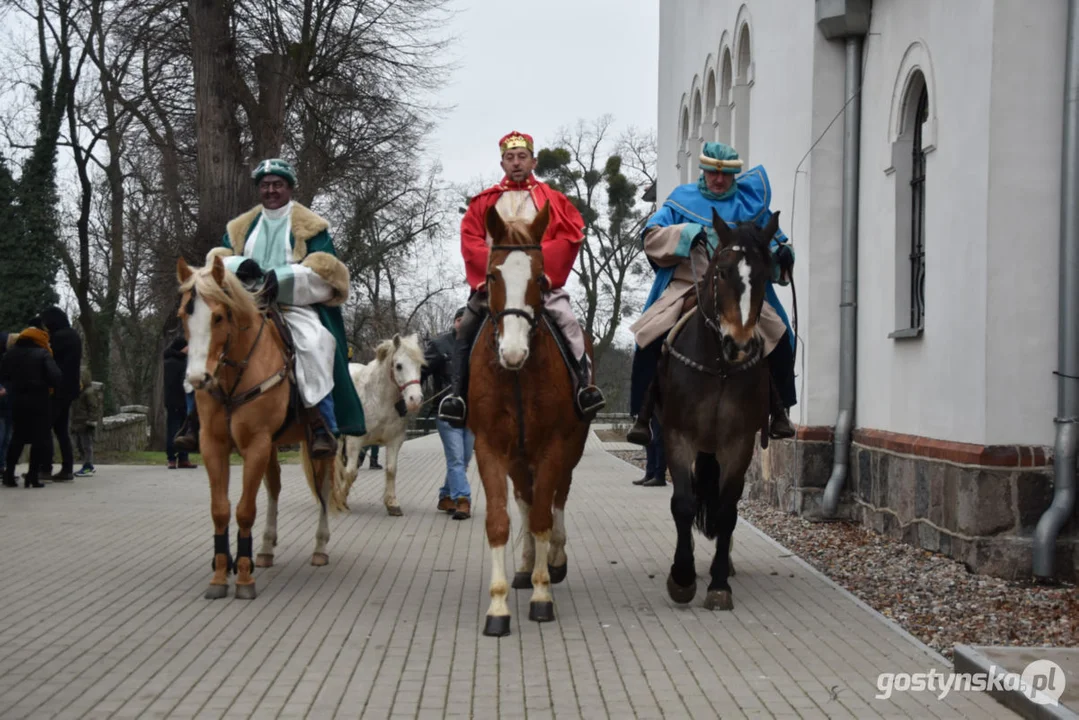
(519, 197)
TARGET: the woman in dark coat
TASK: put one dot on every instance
(30, 375)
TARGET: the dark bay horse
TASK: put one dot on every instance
(711, 393)
(521, 412)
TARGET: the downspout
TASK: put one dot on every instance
(848, 307)
(1067, 432)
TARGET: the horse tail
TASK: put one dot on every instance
(706, 488)
(336, 500)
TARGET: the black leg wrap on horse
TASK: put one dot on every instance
(244, 548)
(221, 547)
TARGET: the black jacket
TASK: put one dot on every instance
(439, 357)
(175, 369)
(28, 371)
(67, 351)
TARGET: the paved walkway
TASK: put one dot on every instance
(102, 615)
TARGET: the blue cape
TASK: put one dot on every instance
(749, 203)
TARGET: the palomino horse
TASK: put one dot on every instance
(389, 389)
(712, 395)
(522, 415)
(237, 365)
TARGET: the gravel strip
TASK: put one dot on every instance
(930, 595)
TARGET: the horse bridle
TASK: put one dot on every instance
(229, 400)
(713, 325)
(533, 317)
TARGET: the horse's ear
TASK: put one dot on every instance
(183, 270)
(496, 227)
(219, 271)
(397, 340)
(723, 231)
(382, 351)
(539, 223)
(770, 230)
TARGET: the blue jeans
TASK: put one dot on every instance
(325, 406)
(457, 444)
(190, 401)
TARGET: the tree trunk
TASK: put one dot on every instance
(222, 188)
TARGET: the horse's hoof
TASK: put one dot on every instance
(263, 560)
(216, 592)
(522, 581)
(557, 572)
(320, 559)
(497, 626)
(394, 510)
(718, 600)
(678, 593)
(541, 611)
(245, 592)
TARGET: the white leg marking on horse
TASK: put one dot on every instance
(389, 497)
(499, 586)
(352, 455)
(541, 577)
(269, 535)
(198, 345)
(528, 551)
(747, 296)
(558, 539)
(516, 272)
(322, 535)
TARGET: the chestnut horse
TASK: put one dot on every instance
(711, 393)
(242, 379)
(523, 418)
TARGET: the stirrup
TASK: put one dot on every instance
(639, 434)
(452, 410)
(595, 406)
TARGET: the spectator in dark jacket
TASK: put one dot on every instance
(29, 374)
(67, 351)
(455, 495)
(5, 405)
(85, 412)
(176, 408)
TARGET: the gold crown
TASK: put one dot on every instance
(515, 141)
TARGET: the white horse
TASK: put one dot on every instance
(392, 378)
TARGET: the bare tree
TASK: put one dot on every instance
(602, 176)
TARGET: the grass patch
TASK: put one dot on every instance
(150, 457)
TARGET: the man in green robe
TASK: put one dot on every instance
(289, 248)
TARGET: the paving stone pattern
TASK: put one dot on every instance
(102, 614)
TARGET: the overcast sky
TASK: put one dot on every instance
(539, 66)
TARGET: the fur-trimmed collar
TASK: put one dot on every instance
(305, 225)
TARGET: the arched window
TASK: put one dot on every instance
(743, 83)
(698, 124)
(709, 132)
(723, 111)
(683, 148)
(908, 161)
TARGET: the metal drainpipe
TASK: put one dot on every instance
(848, 308)
(1067, 432)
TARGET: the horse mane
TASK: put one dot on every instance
(233, 295)
(409, 343)
(517, 233)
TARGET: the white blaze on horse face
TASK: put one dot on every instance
(747, 290)
(513, 343)
(198, 343)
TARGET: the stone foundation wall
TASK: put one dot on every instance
(983, 515)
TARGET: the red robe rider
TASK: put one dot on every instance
(519, 197)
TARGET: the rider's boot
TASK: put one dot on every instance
(323, 427)
(187, 438)
(589, 398)
(452, 410)
(781, 427)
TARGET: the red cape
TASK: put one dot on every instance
(561, 242)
